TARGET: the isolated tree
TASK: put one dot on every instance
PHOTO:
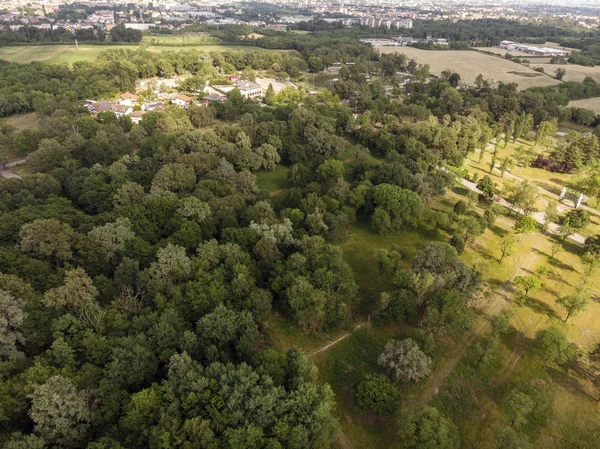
(60, 412)
(550, 215)
(460, 207)
(486, 187)
(553, 345)
(574, 303)
(506, 164)
(560, 73)
(47, 238)
(555, 248)
(576, 219)
(12, 317)
(525, 224)
(377, 394)
(506, 245)
(524, 196)
(112, 237)
(528, 284)
(472, 228)
(519, 406)
(404, 361)
(458, 242)
(76, 293)
(428, 429)
(592, 245)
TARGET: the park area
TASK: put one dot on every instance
(469, 64)
(472, 396)
(69, 54)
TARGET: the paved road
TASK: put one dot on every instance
(539, 216)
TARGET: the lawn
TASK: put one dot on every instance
(70, 53)
(273, 181)
(469, 64)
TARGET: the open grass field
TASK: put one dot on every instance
(469, 64)
(69, 53)
(593, 104)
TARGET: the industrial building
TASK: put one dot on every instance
(531, 50)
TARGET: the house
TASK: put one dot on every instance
(136, 116)
(98, 106)
(249, 89)
(129, 99)
(234, 78)
(183, 101)
(156, 106)
(208, 99)
(121, 109)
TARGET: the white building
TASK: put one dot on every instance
(531, 50)
(139, 26)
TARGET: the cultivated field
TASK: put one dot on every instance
(469, 64)
(575, 72)
(593, 104)
(69, 53)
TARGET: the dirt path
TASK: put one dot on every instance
(335, 342)
(8, 174)
(494, 306)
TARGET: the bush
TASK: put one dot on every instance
(377, 394)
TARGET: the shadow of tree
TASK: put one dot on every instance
(540, 307)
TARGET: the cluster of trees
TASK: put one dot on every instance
(30, 34)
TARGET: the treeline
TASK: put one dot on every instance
(33, 35)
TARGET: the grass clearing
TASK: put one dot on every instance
(469, 64)
(274, 180)
(70, 53)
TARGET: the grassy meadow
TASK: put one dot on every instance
(69, 54)
(469, 64)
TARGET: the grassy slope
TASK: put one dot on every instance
(70, 54)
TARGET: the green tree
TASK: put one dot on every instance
(172, 265)
(486, 187)
(112, 237)
(404, 361)
(550, 215)
(525, 224)
(12, 318)
(427, 428)
(552, 345)
(574, 303)
(506, 245)
(560, 73)
(47, 238)
(528, 284)
(60, 412)
(77, 292)
(377, 394)
(519, 406)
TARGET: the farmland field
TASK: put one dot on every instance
(593, 104)
(69, 53)
(469, 64)
(575, 72)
